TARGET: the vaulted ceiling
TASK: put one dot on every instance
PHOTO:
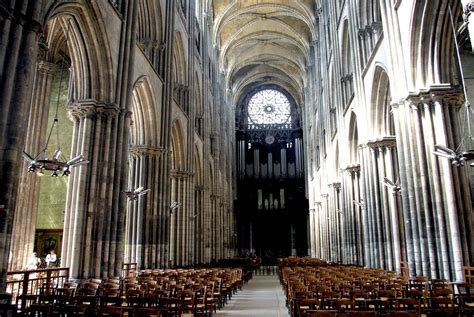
(264, 42)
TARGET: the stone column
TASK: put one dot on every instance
(433, 196)
(21, 26)
(27, 207)
(141, 219)
(457, 200)
(181, 247)
(199, 224)
(93, 229)
(403, 151)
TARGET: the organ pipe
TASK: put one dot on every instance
(283, 163)
(256, 163)
(282, 198)
(270, 166)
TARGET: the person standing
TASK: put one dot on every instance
(33, 262)
(51, 259)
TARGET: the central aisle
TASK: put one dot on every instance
(261, 296)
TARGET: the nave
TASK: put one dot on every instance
(261, 296)
(196, 132)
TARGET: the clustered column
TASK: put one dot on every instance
(435, 195)
(354, 207)
(142, 219)
(381, 204)
(20, 23)
(181, 225)
(93, 224)
(26, 210)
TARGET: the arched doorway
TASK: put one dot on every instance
(271, 205)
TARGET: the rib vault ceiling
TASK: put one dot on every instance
(264, 42)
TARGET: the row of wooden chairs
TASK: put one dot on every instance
(196, 292)
(318, 286)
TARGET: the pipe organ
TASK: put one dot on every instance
(286, 161)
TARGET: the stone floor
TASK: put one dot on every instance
(261, 296)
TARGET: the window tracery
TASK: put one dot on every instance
(269, 106)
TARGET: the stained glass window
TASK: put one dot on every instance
(269, 106)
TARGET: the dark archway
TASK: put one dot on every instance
(271, 207)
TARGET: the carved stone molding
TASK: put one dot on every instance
(91, 108)
(335, 185)
(213, 197)
(22, 19)
(199, 188)
(148, 43)
(46, 67)
(143, 150)
(82, 110)
(181, 174)
(386, 141)
(351, 169)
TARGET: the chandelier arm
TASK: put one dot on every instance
(58, 99)
(463, 83)
(56, 121)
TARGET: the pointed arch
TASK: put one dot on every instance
(347, 82)
(144, 128)
(382, 118)
(179, 60)
(353, 140)
(178, 156)
(432, 51)
(89, 50)
(150, 31)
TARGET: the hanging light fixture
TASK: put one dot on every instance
(460, 155)
(58, 162)
(135, 194)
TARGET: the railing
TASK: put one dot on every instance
(469, 274)
(21, 284)
(129, 269)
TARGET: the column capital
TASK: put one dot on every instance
(351, 169)
(335, 185)
(144, 150)
(181, 174)
(21, 19)
(214, 197)
(46, 67)
(90, 108)
(199, 188)
(386, 141)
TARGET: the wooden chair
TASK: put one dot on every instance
(111, 311)
(188, 301)
(147, 312)
(441, 303)
(357, 313)
(308, 304)
(407, 304)
(75, 310)
(402, 314)
(200, 291)
(322, 313)
(134, 297)
(39, 310)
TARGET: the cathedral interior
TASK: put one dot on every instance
(182, 133)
